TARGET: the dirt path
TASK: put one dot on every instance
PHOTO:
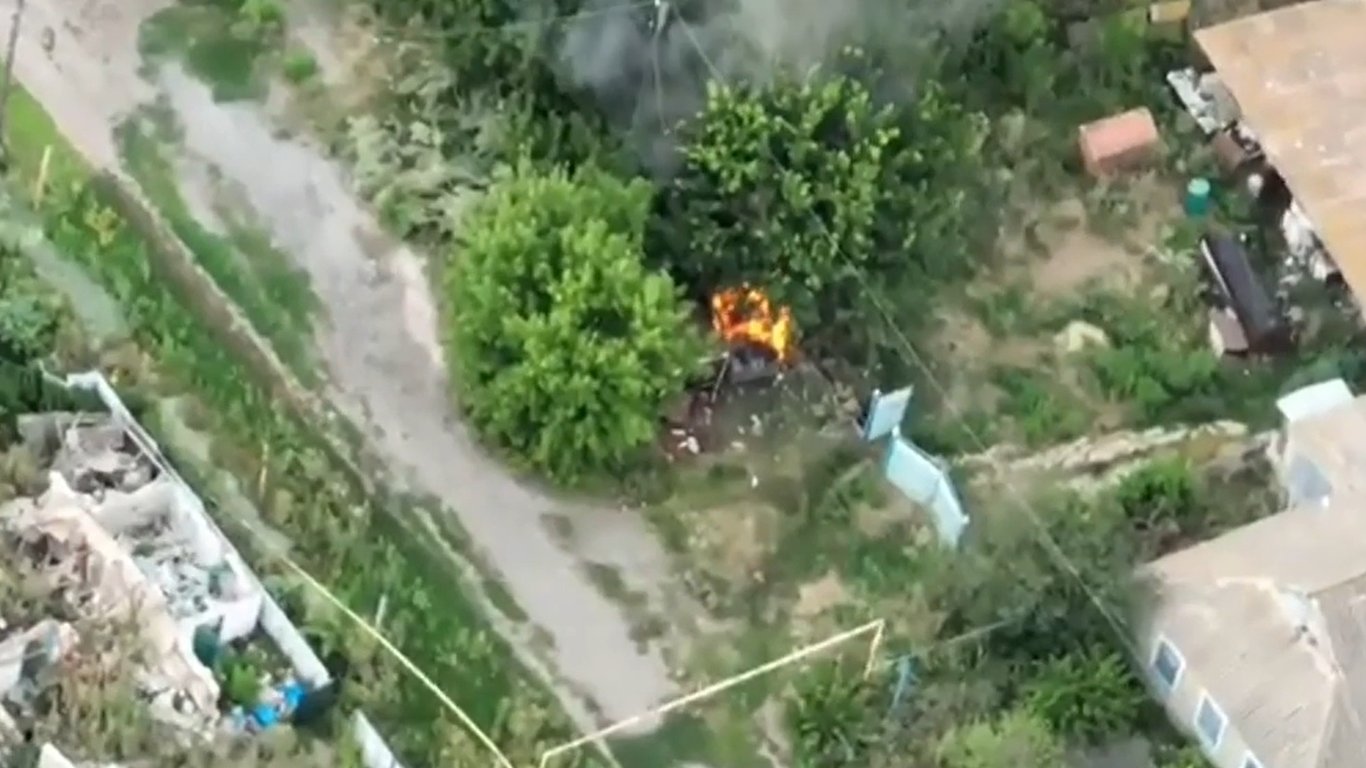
(379, 338)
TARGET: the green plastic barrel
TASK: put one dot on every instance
(1197, 197)
(205, 644)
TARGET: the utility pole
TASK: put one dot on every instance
(6, 83)
(663, 13)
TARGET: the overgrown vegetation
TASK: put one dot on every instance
(1048, 674)
(226, 43)
(863, 199)
(90, 706)
(813, 190)
(564, 346)
(862, 192)
(273, 295)
(1012, 739)
(348, 540)
(36, 326)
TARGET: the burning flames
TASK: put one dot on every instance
(745, 315)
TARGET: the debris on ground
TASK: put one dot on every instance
(1205, 98)
(1079, 335)
(1119, 143)
(134, 578)
(1236, 286)
(687, 423)
(1098, 455)
(1234, 150)
(1305, 251)
(1225, 333)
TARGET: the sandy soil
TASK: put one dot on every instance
(378, 336)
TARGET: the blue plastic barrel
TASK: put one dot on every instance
(293, 694)
(265, 716)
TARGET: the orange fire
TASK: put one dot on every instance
(745, 315)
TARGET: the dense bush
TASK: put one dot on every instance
(1086, 696)
(496, 61)
(28, 323)
(563, 345)
(1041, 415)
(1013, 740)
(812, 189)
(1164, 501)
(1058, 68)
(29, 313)
(500, 45)
(1044, 585)
(1158, 361)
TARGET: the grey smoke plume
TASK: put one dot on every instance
(650, 79)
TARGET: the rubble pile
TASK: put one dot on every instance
(120, 575)
(112, 540)
(93, 454)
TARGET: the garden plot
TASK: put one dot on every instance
(376, 334)
(1095, 319)
(1012, 352)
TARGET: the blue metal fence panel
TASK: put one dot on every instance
(915, 474)
(885, 413)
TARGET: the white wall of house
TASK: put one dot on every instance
(1191, 707)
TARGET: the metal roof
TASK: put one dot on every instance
(1314, 399)
(1299, 76)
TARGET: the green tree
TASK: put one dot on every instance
(28, 325)
(1016, 739)
(1086, 696)
(562, 344)
(811, 189)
